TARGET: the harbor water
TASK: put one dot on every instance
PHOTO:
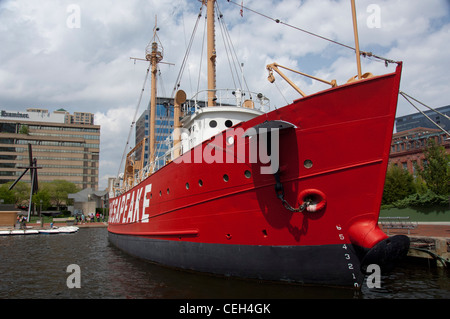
(39, 267)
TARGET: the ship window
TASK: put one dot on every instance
(200, 183)
(212, 123)
(187, 185)
(225, 178)
(228, 123)
(168, 191)
(160, 193)
(248, 174)
(308, 163)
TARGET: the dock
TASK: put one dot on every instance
(47, 228)
(429, 240)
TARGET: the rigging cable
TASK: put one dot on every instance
(226, 50)
(234, 54)
(188, 50)
(228, 42)
(134, 120)
(363, 53)
(201, 56)
(406, 98)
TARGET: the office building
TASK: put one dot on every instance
(163, 127)
(66, 146)
(415, 120)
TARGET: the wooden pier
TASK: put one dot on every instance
(429, 240)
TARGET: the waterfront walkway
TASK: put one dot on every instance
(429, 240)
(425, 229)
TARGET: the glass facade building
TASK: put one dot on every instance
(164, 128)
(65, 151)
(411, 121)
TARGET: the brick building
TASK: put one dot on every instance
(407, 148)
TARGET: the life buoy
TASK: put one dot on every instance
(314, 199)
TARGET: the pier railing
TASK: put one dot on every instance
(400, 222)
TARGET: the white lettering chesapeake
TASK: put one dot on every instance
(146, 203)
(130, 209)
(125, 208)
(135, 217)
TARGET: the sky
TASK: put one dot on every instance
(75, 54)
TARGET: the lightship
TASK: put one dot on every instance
(291, 194)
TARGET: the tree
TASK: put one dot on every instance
(6, 194)
(58, 191)
(42, 197)
(19, 195)
(436, 169)
(398, 185)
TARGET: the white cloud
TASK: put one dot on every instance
(116, 125)
(44, 63)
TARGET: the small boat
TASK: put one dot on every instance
(68, 229)
(54, 230)
(24, 232)
(49, 231)
(59, 230)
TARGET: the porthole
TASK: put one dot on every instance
(160, 193)
(187, 185)
(308, 163)
(248, 174)
(168, 191)
(200, 183)
(228, 123)
(230, 140)
(225, 177)
(212, 123)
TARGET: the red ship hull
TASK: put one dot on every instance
(190, 216)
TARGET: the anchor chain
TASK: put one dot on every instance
(279, 190)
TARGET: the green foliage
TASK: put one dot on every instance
(6, 194)
(53, 193)
(24, 129)
(56, 192)
(42, 197)
(436, 171)
(431, 188)
(399, 184)
(428, 199)
(19, 195)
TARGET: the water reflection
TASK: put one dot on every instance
(35, 267)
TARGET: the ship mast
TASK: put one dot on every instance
(154, 55)
(211, 51)
(355, 31)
